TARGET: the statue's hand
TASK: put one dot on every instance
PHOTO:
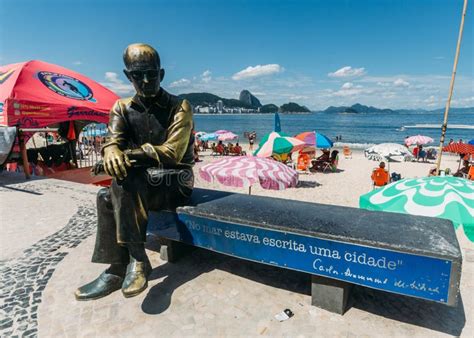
(116, 162)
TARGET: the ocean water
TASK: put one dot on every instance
(358, 130)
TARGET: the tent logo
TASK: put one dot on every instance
(67, 86)
(6, 74)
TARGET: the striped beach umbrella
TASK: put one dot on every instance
(308, 137)
(227, 136)
(221, 131)
(459, 148)
(276, 143)
(418, 139)
(247, 170)
(209, 137)
(445, 197)
(313, 139)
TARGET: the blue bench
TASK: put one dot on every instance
(339, 246)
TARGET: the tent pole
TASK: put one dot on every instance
(451, 87)
(24, 154)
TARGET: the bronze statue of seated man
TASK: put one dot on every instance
(149, 153)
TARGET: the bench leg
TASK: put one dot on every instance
(171, 251)
(330, 294)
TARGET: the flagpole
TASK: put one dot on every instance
(451, 88)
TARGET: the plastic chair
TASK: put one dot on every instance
(470, 174)
(347, 152)
(304, 162)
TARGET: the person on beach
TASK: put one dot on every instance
(319, 162)
(421, 153)
(252, 137)
(463, 171)
(380, 176)
(149, 154)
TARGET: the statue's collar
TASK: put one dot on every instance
(161, 100)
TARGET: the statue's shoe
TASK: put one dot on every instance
(102, 286)
(136, 279)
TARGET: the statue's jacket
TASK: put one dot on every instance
(163, 129)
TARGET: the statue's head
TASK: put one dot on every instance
(143, 69)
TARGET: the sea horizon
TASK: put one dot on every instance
(358, 130)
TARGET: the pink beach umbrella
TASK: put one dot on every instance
(245, 171)
(418, 139)
(227, 136)
(221, 131)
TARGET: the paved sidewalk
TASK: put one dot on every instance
(48, 229)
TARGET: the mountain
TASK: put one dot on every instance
(247, 98)
(356, 109)
(269, 108)
(292, 107)
(206, 99)
(454, 110)
(359, 108)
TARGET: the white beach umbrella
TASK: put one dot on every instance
(393, 152)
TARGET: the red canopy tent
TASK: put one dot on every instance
(37, 94)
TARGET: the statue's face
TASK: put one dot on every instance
(145, 75)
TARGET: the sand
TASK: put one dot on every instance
(343, 187)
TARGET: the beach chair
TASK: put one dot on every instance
(333, 162)
(304, 162)
(347, 152)
(380, 177)
(470, 174)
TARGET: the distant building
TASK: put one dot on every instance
(220, 106)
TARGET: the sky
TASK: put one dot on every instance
(385, 53)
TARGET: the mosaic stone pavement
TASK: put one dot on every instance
(23, 279)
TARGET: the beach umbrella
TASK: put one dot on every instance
(245, 171)
(445, 197)
(227, 136)
(276, 143)
(471, 142)
(322, 141)
(308, 137)
(418, 139)
(221, 131)
(209, 137)
(277, 123)
(459, 148)
(388, 151)
(313, 139)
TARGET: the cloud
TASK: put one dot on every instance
(180, 83)
(117, 85)
(348, 71)
(400, 83)
(259, 70)
(432, 101)
(206, 76)
(347, 85)
(77, 63)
